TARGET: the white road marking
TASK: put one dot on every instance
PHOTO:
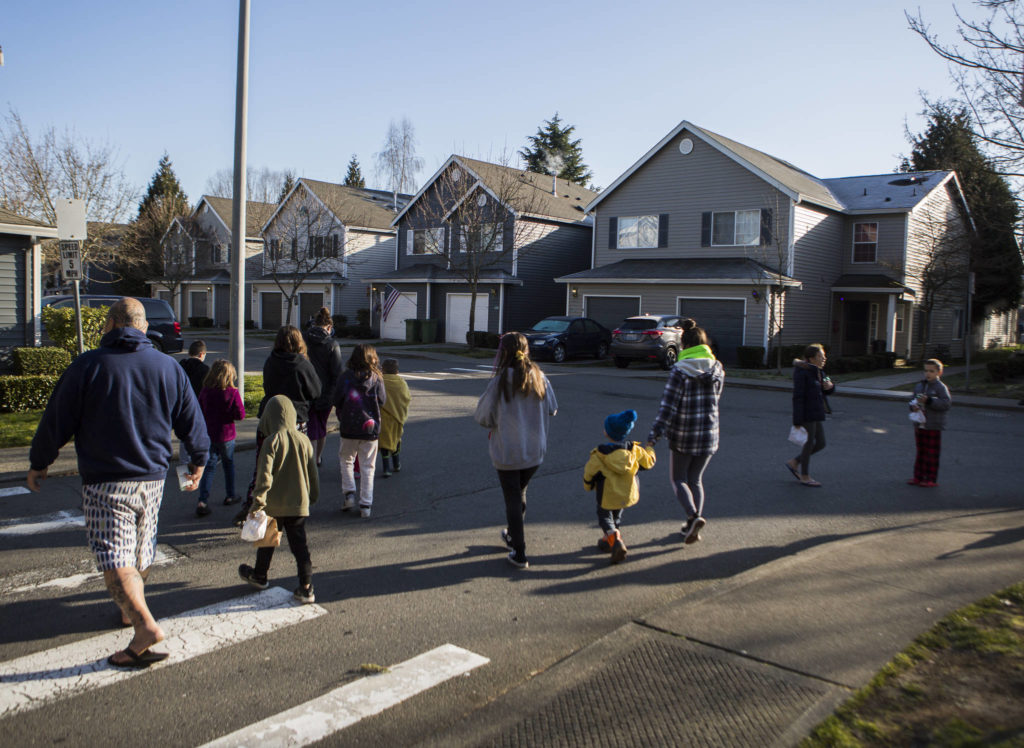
(344, 706)
(37, 679)
(15, 491)
(164, 555)
(413, 376)
(471, 371)
(63, 520)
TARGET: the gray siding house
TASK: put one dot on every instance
(762, 253)
(510, 231)
(20, 281)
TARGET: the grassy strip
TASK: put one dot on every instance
(17, 429)
(981, 385)
(958, 684)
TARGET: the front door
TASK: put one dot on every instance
(855, 327)
(309, 307)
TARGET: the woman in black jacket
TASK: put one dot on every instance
(325, 355)
(809, 389)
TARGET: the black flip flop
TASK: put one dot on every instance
(792, 470)
(137, 661)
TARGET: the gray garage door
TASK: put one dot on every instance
(270, 310)
(611, 310)
(722, 319)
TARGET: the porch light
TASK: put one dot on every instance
(575, 292)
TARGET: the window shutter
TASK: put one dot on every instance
(705, 229)
(408, 242)
(766, 226)
(613, 233)
(663, 230)
(295, 248)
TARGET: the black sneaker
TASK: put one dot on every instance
(691, 530)
(248, 574)
(506, 538)
(305, 595)
(518, 560)
(232, 500)
(202, 509)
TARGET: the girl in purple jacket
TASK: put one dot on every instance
(222, 406)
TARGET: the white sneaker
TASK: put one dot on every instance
(364, 511)
(350, 501)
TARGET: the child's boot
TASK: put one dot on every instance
(394, 459)
(386, 466)
(618, 548)
(606, 542)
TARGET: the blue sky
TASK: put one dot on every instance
(828, 86)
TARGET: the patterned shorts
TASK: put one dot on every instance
(120, 522)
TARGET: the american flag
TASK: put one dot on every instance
(390, 297)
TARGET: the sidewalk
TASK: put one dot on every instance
(759, 659)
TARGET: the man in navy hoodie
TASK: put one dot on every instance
(120, 402)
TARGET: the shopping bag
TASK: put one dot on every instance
(255, 526)
(271, 538)
(798, 435)
(917, 416)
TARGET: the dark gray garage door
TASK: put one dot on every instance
(270, 310)
(611, 310)
(722, 319)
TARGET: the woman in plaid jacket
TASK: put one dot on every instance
(689, 417)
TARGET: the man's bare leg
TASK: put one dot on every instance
(127, 587)
(125, 620)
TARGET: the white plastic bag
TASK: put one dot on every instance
(255, 526)
(798, 435)
(917, 416)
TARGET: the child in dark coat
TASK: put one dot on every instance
(358, 397)
(931, 397)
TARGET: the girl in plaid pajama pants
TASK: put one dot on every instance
(931, 397)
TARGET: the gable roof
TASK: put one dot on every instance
(568, 202)
(12, 223)
(353, 206)
(895, 192)
(256, 213)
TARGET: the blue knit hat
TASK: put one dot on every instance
(617, 426)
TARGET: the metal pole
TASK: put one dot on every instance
(78, 317)
(967, 333)
(238, 212)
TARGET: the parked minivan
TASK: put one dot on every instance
(164, 328)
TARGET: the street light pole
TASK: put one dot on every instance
(238, 232)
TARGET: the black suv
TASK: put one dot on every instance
(164, 329)
(559, 337)
(649, 337)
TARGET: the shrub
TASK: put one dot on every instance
(339, 321)
(60, 326)
(363, 317)
(750, 356)
(1015, 364)
(250, 324)
(998, 371)
(32, 392)
(47, 360)
(482, 339)
(200, 321)
(360, 331)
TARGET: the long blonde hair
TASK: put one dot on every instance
(527, 378)
(221, 375)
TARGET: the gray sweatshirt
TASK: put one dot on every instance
(519, 427)
(937, 404)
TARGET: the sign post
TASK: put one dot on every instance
(71, 231)
(967, 336)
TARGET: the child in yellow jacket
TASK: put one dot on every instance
(611, 471)
(393, 415)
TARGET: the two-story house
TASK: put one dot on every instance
(20, 281)
(762, 253)
(501, 230)
(322, 242)
(197, 259)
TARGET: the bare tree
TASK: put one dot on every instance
(36, 171)
(177, 256)
(397, 161)
(769, 277)
(483, 211)
(987, 67)
(262, 185)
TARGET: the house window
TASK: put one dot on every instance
(958, 324)
(316, 245)
(487, 237)
(873, 322)
(901, 314)
(736, 228)
(865, 242)
(425, 241)
(273, 249)
(638, 232)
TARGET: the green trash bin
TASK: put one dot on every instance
(428, 330)
(412, 330)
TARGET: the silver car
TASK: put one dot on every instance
(648, 337)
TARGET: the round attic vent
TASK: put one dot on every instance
(456, 175)
(685, 146)
(481, 200)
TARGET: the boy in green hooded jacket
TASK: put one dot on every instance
(287, 482)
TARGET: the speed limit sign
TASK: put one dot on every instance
(71, 261)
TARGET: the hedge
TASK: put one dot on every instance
(750, 356)
(339, 321)
(21, 393)
(48, 360)
(482, 339)
(200, 321)
(60, 326)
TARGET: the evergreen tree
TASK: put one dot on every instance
(552, 151)
(354, 177)
(165, 188)
(947, 143)
(288, 186)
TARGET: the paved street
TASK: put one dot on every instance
(428, 570)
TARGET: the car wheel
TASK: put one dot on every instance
(159, 346)
(558, 354)
(621, 362)
(602, 350)
(669, 358)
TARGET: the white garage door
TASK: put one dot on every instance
(393, 328)
(457, 317)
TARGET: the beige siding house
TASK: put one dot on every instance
(762, 253)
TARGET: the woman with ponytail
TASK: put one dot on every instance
(516, 407)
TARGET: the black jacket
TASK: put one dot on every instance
(196, 371)
(325, 355)
(808, 396)
(291, 375)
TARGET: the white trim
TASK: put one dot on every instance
(791, 243)
(37, 293)
(452, 159)
(890, 324)
(593, 243)
(858, 289)
(767, 315)
(501, 309)
(853, 243)
(678, 281)
(718, 298)
(49, 232)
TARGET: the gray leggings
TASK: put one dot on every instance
(685, 472)
(815, 443)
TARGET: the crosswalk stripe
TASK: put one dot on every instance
(164, 555)
(62, 520)
(44, 677)
(413, 376)
(471, 371)
(15, 491)
(344, 706)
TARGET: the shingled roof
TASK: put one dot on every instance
(256, 213)
(353, 206)
(12, 219)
